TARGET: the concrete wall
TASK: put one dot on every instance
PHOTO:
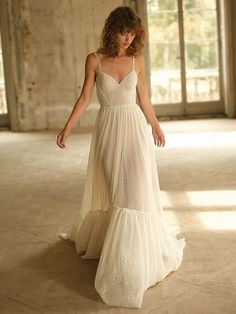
(48, 42)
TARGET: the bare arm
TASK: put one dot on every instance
(86, 93)
(83, 100)
(146, 105)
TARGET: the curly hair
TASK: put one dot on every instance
(120, 20)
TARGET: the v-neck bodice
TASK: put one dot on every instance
(110, 92)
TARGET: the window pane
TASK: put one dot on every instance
(200, 25)
(164, 51)
(161, 5)
(201, 50)
(199, 4)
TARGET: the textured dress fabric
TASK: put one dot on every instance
(121, 220)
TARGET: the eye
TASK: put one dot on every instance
(132, 33)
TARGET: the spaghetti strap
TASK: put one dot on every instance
(99, 66)
(133, 63)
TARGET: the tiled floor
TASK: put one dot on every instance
(41, 186)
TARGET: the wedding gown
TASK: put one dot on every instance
(120, 220)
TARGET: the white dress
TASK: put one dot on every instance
(121, 219)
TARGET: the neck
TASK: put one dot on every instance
(121, 53)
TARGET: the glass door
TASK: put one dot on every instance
(184, 56)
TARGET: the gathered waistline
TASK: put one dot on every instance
(117, 106)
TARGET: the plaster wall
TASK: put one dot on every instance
(49, 42)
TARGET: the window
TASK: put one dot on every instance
(184, 54)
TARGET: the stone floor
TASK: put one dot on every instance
(41, 186)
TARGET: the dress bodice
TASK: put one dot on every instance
(110, 92)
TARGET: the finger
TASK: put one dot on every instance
(157, 141)
(164, 141)
(161, 141)
(63, 142)
(60, 142)
(60, 145)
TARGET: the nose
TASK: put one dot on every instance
(127, 37)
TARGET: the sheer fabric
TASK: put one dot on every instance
(120, 220)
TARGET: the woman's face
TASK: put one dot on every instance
(124, 39)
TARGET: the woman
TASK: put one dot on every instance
(121, 220)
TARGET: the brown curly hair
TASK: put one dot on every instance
(120, 20)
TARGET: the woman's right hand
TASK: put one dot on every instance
(62, 136)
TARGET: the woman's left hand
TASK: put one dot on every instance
(158, 136)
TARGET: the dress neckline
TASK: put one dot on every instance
(108, 75)
(120, 82)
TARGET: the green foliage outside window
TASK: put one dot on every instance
(199, 34)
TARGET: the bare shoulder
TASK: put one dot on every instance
(91, 58)
(140, 63)
(91, 62)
